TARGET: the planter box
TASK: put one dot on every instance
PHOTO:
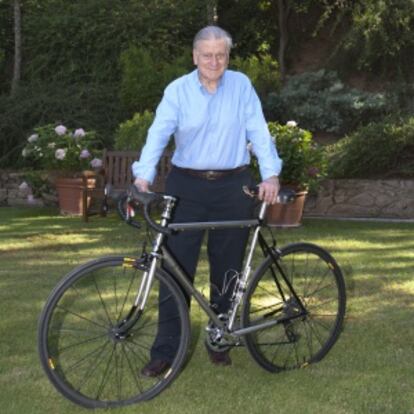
(287, 215)
(70, 194)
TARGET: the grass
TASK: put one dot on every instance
(369, 370)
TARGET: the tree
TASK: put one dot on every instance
(212, 12)
(17, 46)
(284, 9)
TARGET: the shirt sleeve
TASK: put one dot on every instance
(164, 125)
(258, 134)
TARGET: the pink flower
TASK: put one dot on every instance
(84, 154)
(96, 163)
(61, 130)
(60, 154)
(79, 133)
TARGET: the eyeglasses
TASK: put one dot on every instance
(220, 57)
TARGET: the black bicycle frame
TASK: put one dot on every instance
(184, 280)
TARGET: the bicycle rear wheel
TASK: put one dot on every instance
(296, 340)
(80, 348)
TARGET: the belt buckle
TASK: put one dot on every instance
(210, 175)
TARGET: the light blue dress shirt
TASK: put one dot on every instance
(211, 130)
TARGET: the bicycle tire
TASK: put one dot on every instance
(318, 282)
(78, 349)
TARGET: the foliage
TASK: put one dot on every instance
(250, 34)
(384, 149)
(132, 134)
(145, 75)
(304, 161)
(38, 182)
(94, 106)
(380, 37)
(321, 102)
(83, 39)
(262, 70)
(56, 148)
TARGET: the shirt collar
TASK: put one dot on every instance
(201, 86)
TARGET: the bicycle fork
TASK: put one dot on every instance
(148, 276)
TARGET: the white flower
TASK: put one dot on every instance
(60, 153)
(291, 123)
(84, 154)
(25, 152)
(24, 186)
(61, 130)
(33, 138)
(51, 145)
(96, 163)
(79, 133)
(250, 148)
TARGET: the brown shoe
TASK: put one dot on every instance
(219, 358)
(155, 368)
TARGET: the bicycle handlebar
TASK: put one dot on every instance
(146, 199)
(285, 195)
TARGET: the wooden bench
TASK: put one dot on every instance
(115, 177)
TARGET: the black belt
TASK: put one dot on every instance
(211, 174)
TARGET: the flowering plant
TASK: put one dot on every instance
(57, 148)
(304, 161)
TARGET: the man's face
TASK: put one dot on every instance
(211, 58)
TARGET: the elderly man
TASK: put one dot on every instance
(213, 114)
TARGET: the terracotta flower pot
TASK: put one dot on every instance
(70, 194)
(287, 215)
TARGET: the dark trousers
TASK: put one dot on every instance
(204, 200)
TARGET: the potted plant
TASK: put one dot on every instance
(69, 157)
(304, 165)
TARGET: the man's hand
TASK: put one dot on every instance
(142, 185)
(268, 189)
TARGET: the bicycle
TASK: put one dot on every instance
(99, 323)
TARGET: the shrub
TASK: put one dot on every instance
(304, 161)
(93, 106)
(263, 71)
(57, 148)
(131, 134)
(377, 150)
(145, 75)
(320, 102)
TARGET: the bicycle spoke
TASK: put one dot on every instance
(75, 344)
(317, 286)
(85, 356)
(81, 317)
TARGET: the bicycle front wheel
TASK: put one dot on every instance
(80, 347)
(304, 293)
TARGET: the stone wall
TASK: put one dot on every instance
(363, 198)
(14, 193)
(335, 198)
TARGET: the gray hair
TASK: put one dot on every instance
(213, 32)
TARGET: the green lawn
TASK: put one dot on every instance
(369, 370)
